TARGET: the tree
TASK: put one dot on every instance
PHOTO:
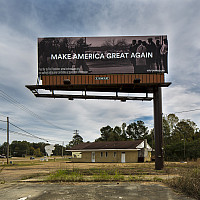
(133, 131)
(105, 133)
(59, 149)
(169, 124)
(110, 134)
(182, 142)
(77, 139)
(37, 152)
(40, 145)
(183, 130)
(20, 148)
(172, 120)
(123, 134)
(3, 148)
(137, 130)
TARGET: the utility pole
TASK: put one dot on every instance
(75, 136)
(7, 139)
(76, 132)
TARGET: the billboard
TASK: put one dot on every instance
(102, 55)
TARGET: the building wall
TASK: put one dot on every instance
(148, 157)
(144, 155)
(110, 156)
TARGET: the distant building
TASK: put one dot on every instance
(112, 151)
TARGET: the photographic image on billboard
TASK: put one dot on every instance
(102, 55)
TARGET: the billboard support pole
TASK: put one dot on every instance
(158, 130)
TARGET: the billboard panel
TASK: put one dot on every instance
(102, 55)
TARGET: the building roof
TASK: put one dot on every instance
(108, 145)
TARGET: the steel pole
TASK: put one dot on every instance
(158, 130)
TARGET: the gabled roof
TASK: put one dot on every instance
(108, 145)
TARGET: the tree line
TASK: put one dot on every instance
(24, 148)
(181, 139)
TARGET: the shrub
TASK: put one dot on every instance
(188, 183)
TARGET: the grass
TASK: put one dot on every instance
(188, 180)
(188, 183)
(187, 175)
(100, 175)
(64, 175)
(21, 164)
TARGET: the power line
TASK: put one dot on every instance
(29, 134)
(23, 134)
(33, 134)
(8, 98)
(187, 111)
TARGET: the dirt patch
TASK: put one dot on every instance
(23, 168)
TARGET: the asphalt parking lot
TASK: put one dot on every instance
(89, 191)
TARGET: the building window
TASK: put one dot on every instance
(76, 154)
(106, 154)
(114, 154)
(101, 154)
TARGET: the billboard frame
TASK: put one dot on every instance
(118, 83)
(102, 55)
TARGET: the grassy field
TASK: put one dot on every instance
(184, 177)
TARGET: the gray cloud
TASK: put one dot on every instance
(23, 21)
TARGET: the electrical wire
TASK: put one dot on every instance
(33, 134)
(29, 134)
(8, 98)
(187, 111)
(10, 131)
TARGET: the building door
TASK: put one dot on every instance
(93, 156)
(123, 160)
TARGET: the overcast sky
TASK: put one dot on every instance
(23, 21)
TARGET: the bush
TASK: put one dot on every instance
(188, 183)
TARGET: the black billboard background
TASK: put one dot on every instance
(113, 55)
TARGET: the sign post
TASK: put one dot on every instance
(158, 131)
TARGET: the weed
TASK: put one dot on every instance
(188, 183)
(63, 175)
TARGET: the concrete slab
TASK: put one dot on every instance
(89, 191)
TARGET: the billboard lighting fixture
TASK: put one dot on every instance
(66, 82)
(137, 80)
(123, 100)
